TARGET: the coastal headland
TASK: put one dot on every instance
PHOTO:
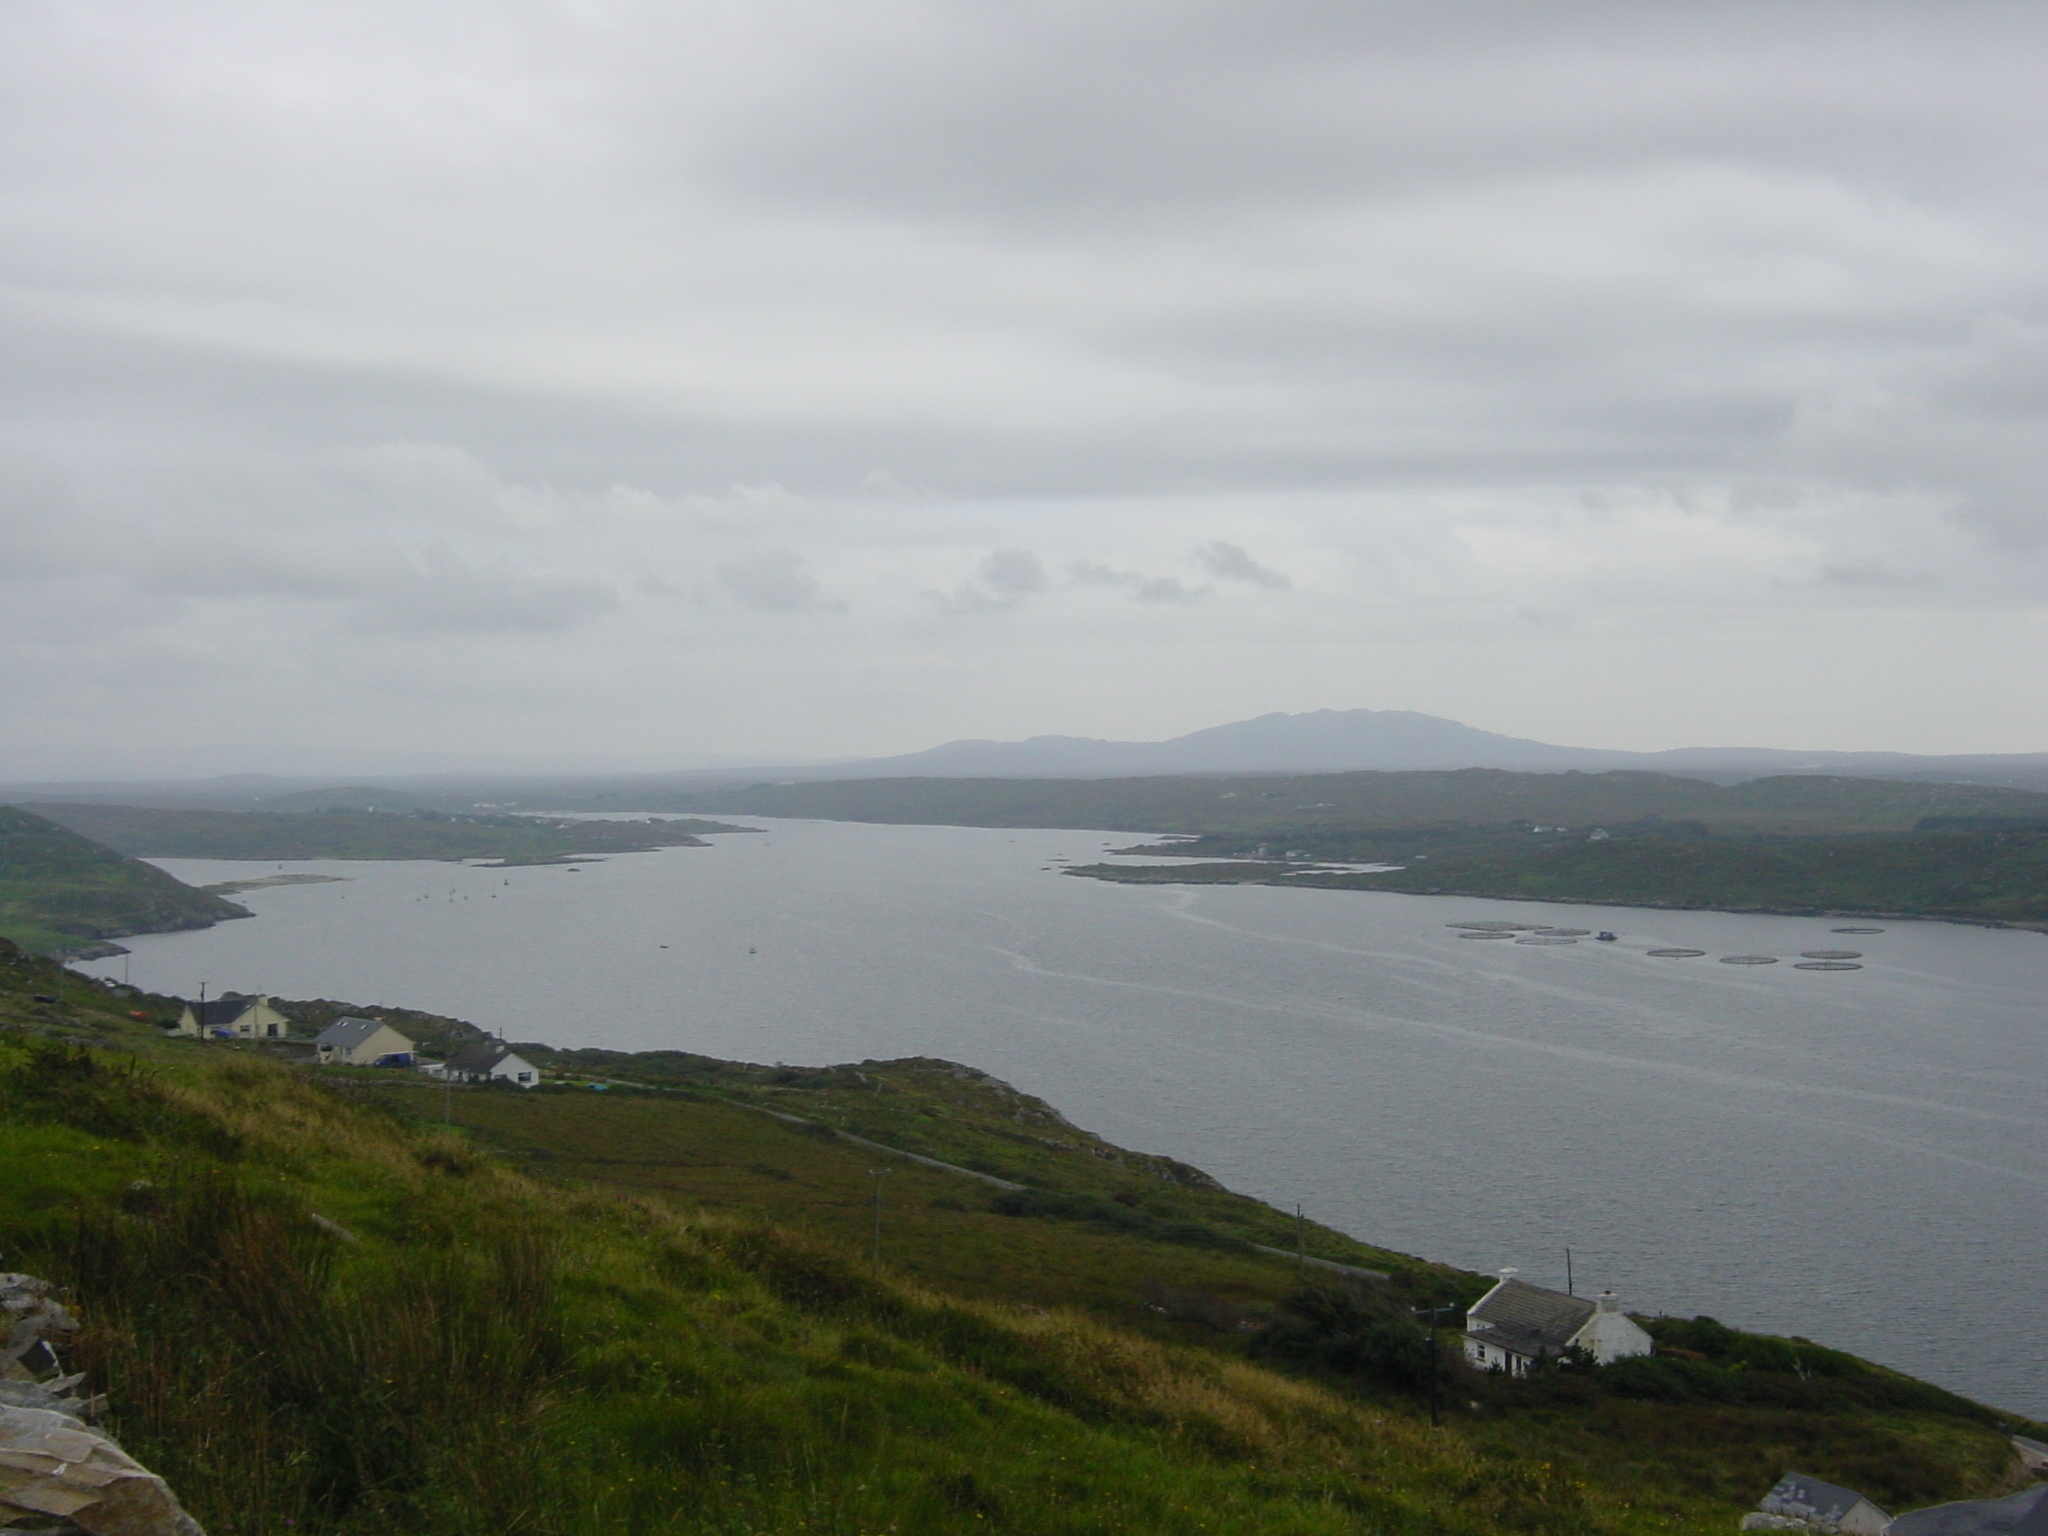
(674, 1293)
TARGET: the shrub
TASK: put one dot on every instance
(1350, 1330)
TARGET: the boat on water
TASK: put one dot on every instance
(1604, 937)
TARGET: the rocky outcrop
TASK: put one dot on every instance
(57, 1472)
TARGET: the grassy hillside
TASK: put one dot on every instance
(1146, 1243)
(1988, 876)
(1353, 801)
(576, 1311)
(152, 832)
(61, 893)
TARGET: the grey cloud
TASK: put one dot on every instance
(1006, 578)
(776, 581)
(443, 595)
(329, 332)
(1231, 563)
(1962, 427)
(1122, 113)
(1871, 573)
(1014, 573)
(1146, 589)
(44, 527)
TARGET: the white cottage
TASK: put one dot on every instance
(1816, 1506)
(1516, 1324)
(233, 1017)
(491, 1062)
(362, 1043)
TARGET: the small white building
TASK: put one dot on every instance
(1516, 1324)
(491, 1062)
(362, 1043)
(233, 1017)
(1802, 1502)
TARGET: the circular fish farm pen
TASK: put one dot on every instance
(1676, 954)
(1494, 927)
(1493, 935)
(1563, 933)
(1855, 930)
(1827, 965)
(1831, 954)
(1749, 959)
(1540, 940)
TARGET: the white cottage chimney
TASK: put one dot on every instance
(1608, 1302)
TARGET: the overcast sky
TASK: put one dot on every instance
(420, 383)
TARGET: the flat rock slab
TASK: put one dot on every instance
(52, 1464)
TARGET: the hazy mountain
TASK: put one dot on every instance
(1336, 740)
(1320, 741)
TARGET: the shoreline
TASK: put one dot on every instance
(1111, 874)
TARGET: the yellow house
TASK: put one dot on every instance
(234, 1017)
(362, 1043)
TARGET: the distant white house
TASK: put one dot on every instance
(491, 1062)
(362, 1043)
(233, 1017)
(1516, 1324)
(1799, 1502)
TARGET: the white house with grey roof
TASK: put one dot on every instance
(362, 1043)
(490, 1062)
(1516, 1324)
(1798, 1502)
(233, 1017)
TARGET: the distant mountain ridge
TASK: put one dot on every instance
(1317, 741)
(1347, 740)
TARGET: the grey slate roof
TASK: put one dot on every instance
(220, 1012)
(1527, 1318)
(1809, 1498)
(347, 1032)
(2019, 1514)
(1523, 1341)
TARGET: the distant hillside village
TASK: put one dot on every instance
(354, 1042)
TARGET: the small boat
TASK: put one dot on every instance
(1604, 937)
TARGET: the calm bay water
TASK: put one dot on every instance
(1859, 1157)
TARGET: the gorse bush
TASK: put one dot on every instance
(1351, 1329)
(1115, 1216)
(246, 1355)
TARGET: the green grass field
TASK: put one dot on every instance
(940, 1228)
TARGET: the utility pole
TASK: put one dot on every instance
(1568, 1289)
(1300, 1242)
(878, 1174)
(1435, 1372)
